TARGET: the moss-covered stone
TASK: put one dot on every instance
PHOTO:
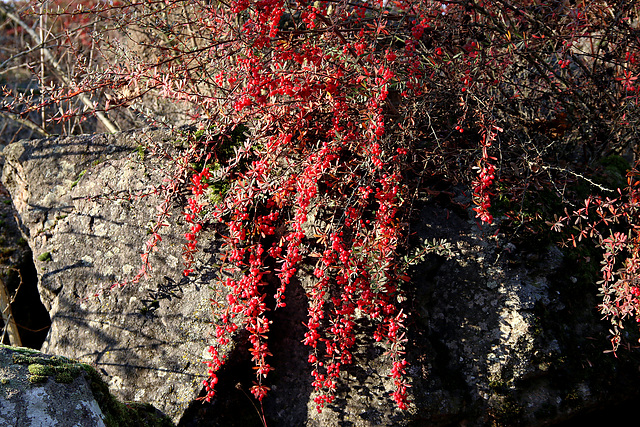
(46, 256)
(117, 413)
(41, 368)
(63, 370)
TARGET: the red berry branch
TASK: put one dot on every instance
(316, 124)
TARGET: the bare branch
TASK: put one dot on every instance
(111, 127)
(16, 118)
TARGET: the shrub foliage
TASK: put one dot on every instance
(318, 123)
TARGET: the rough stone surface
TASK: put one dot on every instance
(496, 337)
(507, 334)
(39, 390)
(43, 404)
(499, 333)
(86, 205)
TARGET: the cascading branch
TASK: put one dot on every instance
(317, 148)
(347, 108)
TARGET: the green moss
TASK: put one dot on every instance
(64, 370)
(67, 375)
(27, 359)
(41, 370)
(119, 414)
(20, 351)
(74, 183)
(218, 190)
(36, 379)
(46, 256)
(141, 152)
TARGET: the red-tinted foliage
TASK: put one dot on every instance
(613, 224)
(349, 106)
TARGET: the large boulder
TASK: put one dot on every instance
(41, 390)
(86, 205)
(499, 333)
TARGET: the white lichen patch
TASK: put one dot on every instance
(138, 395)
(172, 261)
(37, 408)
(115, 383)
(205, 354)
(101, 230)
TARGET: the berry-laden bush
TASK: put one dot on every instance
(319, 122)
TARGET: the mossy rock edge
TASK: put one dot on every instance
(41, 367)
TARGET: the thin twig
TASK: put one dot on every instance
(111, 127)
(261, 415)
(16, 118)
(577, 175)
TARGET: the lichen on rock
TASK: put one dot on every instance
(38, 389)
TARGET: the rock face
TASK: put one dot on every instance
(86, 205)
(499, 334)
(43, 390)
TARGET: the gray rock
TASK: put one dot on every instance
(86, 205)
(39, 390)
(497, 336)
